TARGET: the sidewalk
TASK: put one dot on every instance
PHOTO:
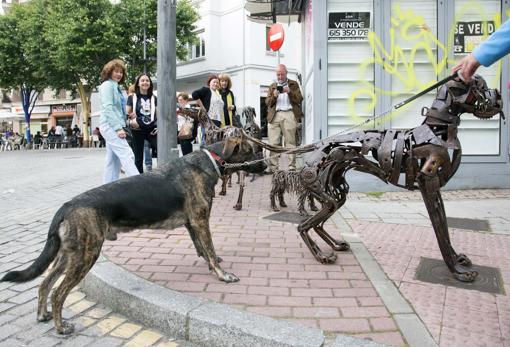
(279, 277)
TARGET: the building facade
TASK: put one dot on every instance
(231, 43)
(362, 57)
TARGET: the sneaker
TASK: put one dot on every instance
(149, 167)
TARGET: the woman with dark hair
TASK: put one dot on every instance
(112, 121)
(209, 99)
(141, 107)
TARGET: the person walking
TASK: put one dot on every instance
(229, 104)
(486, 54)
(283, 114)
(142, 103)
(111, 122)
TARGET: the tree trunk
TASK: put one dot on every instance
(85, 109)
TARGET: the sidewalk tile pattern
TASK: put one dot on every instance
(278, 275)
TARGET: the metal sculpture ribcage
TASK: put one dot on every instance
(423, 158)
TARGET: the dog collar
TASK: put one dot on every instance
(215, 159)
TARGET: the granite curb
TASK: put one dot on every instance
(202, 322)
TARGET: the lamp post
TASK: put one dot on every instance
(166, 70)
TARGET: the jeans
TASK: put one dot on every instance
(118, 153)
(139, 139)
(147, 154)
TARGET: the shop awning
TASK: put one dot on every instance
(9, 117)
(275, 11)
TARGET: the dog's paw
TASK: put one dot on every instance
(229, 277)
(67, 328)
(111, 236)
(283, 204)
(238, 207)
(314, 208)
(275, 209)
(44, 317)
(303, 213)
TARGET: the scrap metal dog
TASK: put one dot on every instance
(290, 181)
(424, 158)
(178, 194)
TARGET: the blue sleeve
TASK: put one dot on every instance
(495, 47)
(106, 93)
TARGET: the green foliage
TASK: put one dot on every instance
(19, 63)
(82, 36)
(375, 194)
(133, 16)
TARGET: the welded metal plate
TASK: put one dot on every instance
(288, 217)
(435, 271)
(468, 224)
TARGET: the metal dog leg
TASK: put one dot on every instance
(328, 208)
(241, 176)
(429, 187)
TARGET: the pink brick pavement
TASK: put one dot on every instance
(455, 317)
(279, 276)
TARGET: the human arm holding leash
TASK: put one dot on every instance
(487, 53)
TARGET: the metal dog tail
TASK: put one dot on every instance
(46, 257)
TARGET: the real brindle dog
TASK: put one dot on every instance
(177, 194)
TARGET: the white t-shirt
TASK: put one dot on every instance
(59, 130)
(216, 107)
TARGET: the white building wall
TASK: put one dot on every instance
(237, 46)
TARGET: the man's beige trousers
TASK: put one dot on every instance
(284, 123)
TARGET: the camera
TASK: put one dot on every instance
(279, 89)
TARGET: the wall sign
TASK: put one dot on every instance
(468, 35)
(348, 26)
(63, 108)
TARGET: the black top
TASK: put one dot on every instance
(143, 111)
(203, 94)
(224, 93)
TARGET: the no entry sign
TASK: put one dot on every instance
(275, 36)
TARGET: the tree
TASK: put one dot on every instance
(134, 17)
(82, 36)
(19, 55)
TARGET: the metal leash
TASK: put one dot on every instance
(359, 125)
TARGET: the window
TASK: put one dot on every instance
(268, 49)
(198, 49)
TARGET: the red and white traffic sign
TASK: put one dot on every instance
(275, 36)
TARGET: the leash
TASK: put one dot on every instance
(311, 147)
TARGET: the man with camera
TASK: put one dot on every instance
(283, 114)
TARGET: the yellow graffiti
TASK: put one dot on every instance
(411, 41)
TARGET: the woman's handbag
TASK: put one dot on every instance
(186, 131)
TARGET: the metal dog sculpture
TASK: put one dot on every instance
(290, 181)
(425, 157)
(179, 194)
(253, 130)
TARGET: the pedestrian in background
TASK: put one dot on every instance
(186, 144)
(112, 120)
(209, 100)
(283, 114)
(229, 104)
(142, 103)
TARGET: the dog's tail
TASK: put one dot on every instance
(47, 255)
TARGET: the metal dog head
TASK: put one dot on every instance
(475, 97)
(237, 149)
